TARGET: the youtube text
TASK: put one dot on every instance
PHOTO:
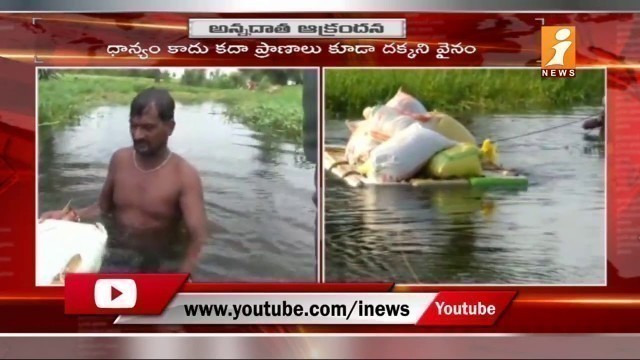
(286, 309)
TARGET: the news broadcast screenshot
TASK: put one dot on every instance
(283, 179)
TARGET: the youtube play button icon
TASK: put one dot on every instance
(115, 293)
(120, 294)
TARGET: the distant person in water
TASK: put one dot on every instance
(149, 193)
(596, 122)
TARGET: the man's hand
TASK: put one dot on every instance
(59, 215)
(53, 215)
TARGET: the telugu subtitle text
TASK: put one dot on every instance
(442, 50)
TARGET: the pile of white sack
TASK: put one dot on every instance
(400, 139)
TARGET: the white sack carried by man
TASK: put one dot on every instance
(67, 247)
(404, 155)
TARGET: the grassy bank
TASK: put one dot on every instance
(461, 91)
(65, 99)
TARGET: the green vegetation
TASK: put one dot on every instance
(279, 115)
(461, 91)
(64, 96)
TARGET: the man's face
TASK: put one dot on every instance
(149, 132)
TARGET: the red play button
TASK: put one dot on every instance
(115, 293)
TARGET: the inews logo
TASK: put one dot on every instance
(558, 51)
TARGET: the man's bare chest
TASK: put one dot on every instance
(155, 193)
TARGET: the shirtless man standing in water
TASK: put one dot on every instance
(149, 192)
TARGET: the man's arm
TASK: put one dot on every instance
(192, 206)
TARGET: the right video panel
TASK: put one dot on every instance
(464, 176)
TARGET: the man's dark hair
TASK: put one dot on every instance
(160, 98)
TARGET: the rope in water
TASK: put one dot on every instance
(543, 130)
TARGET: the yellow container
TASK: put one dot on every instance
(489, 153)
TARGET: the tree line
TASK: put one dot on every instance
(197, 77)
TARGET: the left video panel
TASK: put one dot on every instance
(210, 171)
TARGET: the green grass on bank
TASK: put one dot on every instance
(65, 99)
(461, 91)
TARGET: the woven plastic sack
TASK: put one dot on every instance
(449, 127)
(408, 105)
(360, 144)
(404, 155)
(460, 161)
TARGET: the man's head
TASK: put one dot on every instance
(151, 120)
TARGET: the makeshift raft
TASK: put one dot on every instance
(335, 162)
